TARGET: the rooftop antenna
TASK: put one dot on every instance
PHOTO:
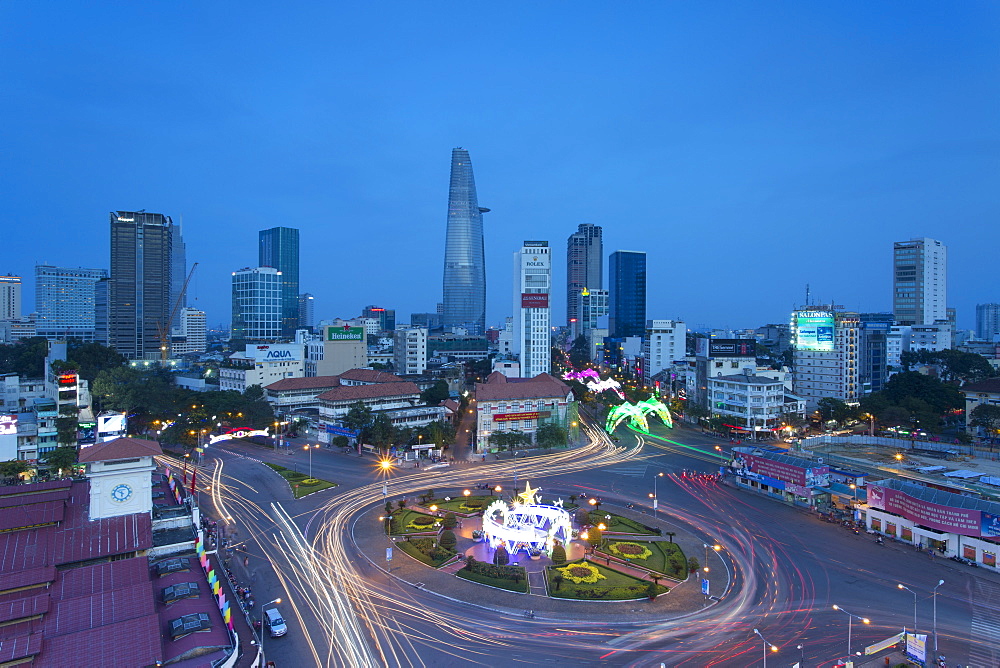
(807, 294)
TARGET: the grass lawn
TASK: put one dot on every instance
(423, 550)
(458, 504)
(620, 524)
(614, 586)
(501, 583)
(410, 521)
(660, 559)
(300, 483)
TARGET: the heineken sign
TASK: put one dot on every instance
(345, 333)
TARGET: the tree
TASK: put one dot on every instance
(340, 441)
(358, 417)
(670, 535)
(550, 434)
(13, 468)
(26, 358)
(435, 394)
(833, 409)
(448, 540)
(500, 557)
(66, 427)
(986, 417)
(594, 536)
(61, 458)
(695, 410)
(579, 352)
(450, 521)
(92, 358)
(559, 554)
(381, 431)
(558, 579)
(693, 564)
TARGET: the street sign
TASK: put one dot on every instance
(654, 504)
(388, 554)
(704, 586)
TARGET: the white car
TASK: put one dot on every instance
(275, 624)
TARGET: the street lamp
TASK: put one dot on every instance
(934, 598)
(655, 497)
(514, 459)
(276, 601)
(854, 488)
(914, 605)
(767, 645)
(310, 448)
(715, 547)
(850, 619)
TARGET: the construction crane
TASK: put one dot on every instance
(164, 328)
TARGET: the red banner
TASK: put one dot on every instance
(507, 417)
(797, 475)
(534, 300)
(931, 515)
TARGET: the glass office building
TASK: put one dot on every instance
(627, 307)
(257, 305)
(584, 272)
(65, 301)
(464, 259)
(279, 249)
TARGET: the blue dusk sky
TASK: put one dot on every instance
(749, 148)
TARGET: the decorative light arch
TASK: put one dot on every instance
(636, 415)
(526, 524)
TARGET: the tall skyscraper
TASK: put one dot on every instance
(987, 321)
(257, 306)
(10, 297)
(279, 249)
(584, 271)
(178, 272)
(464, 259)
(919, 281)
(627, 283)
(533, 318)
(65, 301)
(306, 310)
(139, 292)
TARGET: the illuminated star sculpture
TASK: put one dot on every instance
(528, 495)
(558, 503)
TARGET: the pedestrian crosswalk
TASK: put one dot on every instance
(984, 650)
(633, 471)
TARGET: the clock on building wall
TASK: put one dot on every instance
(121, 493)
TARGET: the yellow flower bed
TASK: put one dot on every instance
(582, 573)
(628, 550)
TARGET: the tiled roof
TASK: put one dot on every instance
(134, 643)
(370, 376)
(542, 386)
(43, 575)
(313, 383)
(102, 538)
(988, 386)
(106, 576)
(23, 607)
(359, 392)
(35, 488)
(24, 646)
(32, 514)
(120, 448)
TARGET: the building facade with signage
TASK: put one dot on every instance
(262, 364)
(340, 347)
(520, 404)
(533, 315)
(715, 358)
(826, 346)
(950, 523)
(790, 479)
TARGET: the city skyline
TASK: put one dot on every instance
(792, 137)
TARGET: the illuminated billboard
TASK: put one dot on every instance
(345, 333)
(813, 330)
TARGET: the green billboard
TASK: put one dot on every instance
(345, 333)
(813, 330)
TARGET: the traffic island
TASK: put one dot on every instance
(300, 484)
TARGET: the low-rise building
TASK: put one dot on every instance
(750, 404)
(983, 393)
(262, 364)
(520, 404)
(796, 481)
(409, 347)
(399, 401)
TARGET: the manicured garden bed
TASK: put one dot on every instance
(512, 578)
(620, 524)
(660, 556)
(426, 550)
(300, 483)
(597, 583)
(409, 521)
(465, 505)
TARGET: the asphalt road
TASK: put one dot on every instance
(790, 569)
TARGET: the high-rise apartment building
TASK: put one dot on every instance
(664, 342)
(178, 273)
(307, 315)
(919, 281)
(464, 258)
(65, 301)
(873, 351)
(409, 350)
(627, 283)
(141, 277)
(279, 249)
(10, 297)
(532, 315)
(257, 305)
(102, 295)
(987, 321)
(191, 336)
(593, 306)
(584, 271)
(825, 353)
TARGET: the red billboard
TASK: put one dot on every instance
(508, 417)
(931, 515)
(797, 475)
(534, 300)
